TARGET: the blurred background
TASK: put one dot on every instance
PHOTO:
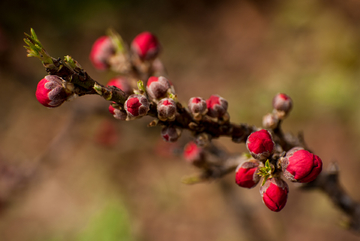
(75, 173)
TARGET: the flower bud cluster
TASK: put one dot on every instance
(214, 107)
(298, 165)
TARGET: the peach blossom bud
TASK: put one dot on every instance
(166, 109)
(157, 87)
(122, 83)
(197, 106)
(282, 103)
(170, 133)
(136, 106)
(50, 91)
(274, 193)
(101, 51)
(146, 46)
(247, 174)
(260, 144)
(118, 114)
(193, 153)
(299, 165)
(217, 106)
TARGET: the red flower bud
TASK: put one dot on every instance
(122, 83)
(247, 174)
(274, 193)
(283, 103)
(157, 87)
(146, 46)
(299, 165)
(217, 106)
(101, 51)
(197, 106)
(136, 106)
(118, 114)
(50, 91)
(170, 133)
(166, 109)
(260, 144)
(192, 153)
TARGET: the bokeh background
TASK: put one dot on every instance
(74, 173)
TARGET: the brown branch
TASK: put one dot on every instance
(328, 183)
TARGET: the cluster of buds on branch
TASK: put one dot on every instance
(273, 155)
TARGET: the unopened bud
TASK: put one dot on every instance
(299, 165)
(274, 193)
(166, 109)
(282, 103)
(197, 107)
(247, 174)
(157, 87)
(260, 144)
(193, 153)
(118, 114)
(146, 46)
(101, 52)
(217, 106)
(270, 121)
(122, 83)
(50, 91)
(136, 106)
(170, 133)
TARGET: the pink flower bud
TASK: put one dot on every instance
(121, 83)
(217, 106)
(118, 114)
(50, 91)
(192, 153)
(247, 174)
(260, 144)
(166, 109)
(197, 106)
(136, 106)
(170, 133)
(274, 193)
(146, 46)
(299, 165)
(157, 87)
(282, 102)
(101, 51)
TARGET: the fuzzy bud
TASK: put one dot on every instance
(193, 153)
(299, 165)
(122, 83)
(170, 133)
(197, 107)
(217, 106)
(282, 103)
(260, 144)
(50, 91)
(146, 46)
(157, 87)
(101, 51)
(247, 174)
(270, 121)
(118, 114)
(136, 106)
(274, 193)
(166, 109)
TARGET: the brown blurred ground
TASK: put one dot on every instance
(85, 187)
